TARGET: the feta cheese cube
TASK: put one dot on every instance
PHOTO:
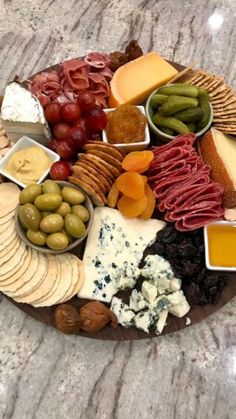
(122, 311)
(149, 291)
(137, 301)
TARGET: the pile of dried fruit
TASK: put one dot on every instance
(137, 198)
(185, 253)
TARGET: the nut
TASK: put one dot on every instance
(67, 319)
(95, 316)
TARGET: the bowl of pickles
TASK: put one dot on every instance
(53, 217)
(178, 108)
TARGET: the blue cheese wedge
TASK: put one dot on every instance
(180, 306)
(175, 284)
(113, 251)
(137, 301)
(156, 267)
(160, 303)
(161, 322)
(124, 315)
(22, 114)
(129, 275)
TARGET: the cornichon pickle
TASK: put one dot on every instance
(36, 237)
(189, 115)
(191, 126)
(170, 122)
(157, 99)
(177, 103)
(205, 108)
(179, 89)
(167, 131)
(48, 201)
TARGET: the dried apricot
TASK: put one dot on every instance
(131, 207)
(151, 202)
(132, 185)
(113, 196)
(137, 161)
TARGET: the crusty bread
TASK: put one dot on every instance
(219, 172)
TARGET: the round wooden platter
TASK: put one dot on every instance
(196, 314)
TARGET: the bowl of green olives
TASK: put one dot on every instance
(178, 108)
(53, 217)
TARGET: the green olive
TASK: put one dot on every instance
(52, 223)
(48, 202)
(72, 196)
(36, 237)
(21, 217)
(30, 193)
(50, 186)
(64, 209)
(81, 211)
(74, 226)
(45, 214)
(71, 239)
(31, 216)
(57, 241)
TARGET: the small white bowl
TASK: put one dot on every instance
(207, 253)
(26, 142)
(130, 146)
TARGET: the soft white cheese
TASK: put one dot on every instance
(114, 249)
(144, 320)
(122, 311)
(22, 114)
(137, 301)
(149, 291)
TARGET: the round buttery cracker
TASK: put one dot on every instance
(6, 235)
(6, 286)
(11, 245)
(9, 196)
(45, 286)
(7, 217)
(40, 300)
(10, 253)
(75, 279)
(64, 283)
(14, 263)
(6, 225)
(31, 278)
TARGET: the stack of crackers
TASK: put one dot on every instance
(222, 98)
(29, 276)
(96, 170)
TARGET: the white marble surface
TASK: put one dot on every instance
(44, 374)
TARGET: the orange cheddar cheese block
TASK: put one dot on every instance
(133, 82)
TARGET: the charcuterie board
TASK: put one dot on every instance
(196, 313)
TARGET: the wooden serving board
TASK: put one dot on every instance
(196, 314)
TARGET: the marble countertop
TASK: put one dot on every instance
(45, 375)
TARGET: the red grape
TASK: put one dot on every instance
(60, 170)
(70, 112)
(52, 144)
(53, 112)
(86, 101)
(65, 149)
(96, 119)
(61, 131)
(78, 136)
(81, 123)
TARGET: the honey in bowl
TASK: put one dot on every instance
(222, 244)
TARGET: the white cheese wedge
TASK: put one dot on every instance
(180, 305)
(161, 322)
(114, 247)
(175, 284)
(137, 301)
(22, 114)
(149, 291)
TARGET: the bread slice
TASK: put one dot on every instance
(218, 150)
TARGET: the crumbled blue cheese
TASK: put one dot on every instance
(175, 284)
(137, 301)
(128, 276)
(161, 303)
(161, 322)
(156, 267)
(180, 305)
(124, 315)
(149, 291)
(144, 320)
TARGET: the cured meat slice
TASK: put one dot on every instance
(76, 73)
(97, 59)
(198, 219)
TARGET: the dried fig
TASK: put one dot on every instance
(67, 319)
(133, 50)
(95, 316)
(117, 59)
